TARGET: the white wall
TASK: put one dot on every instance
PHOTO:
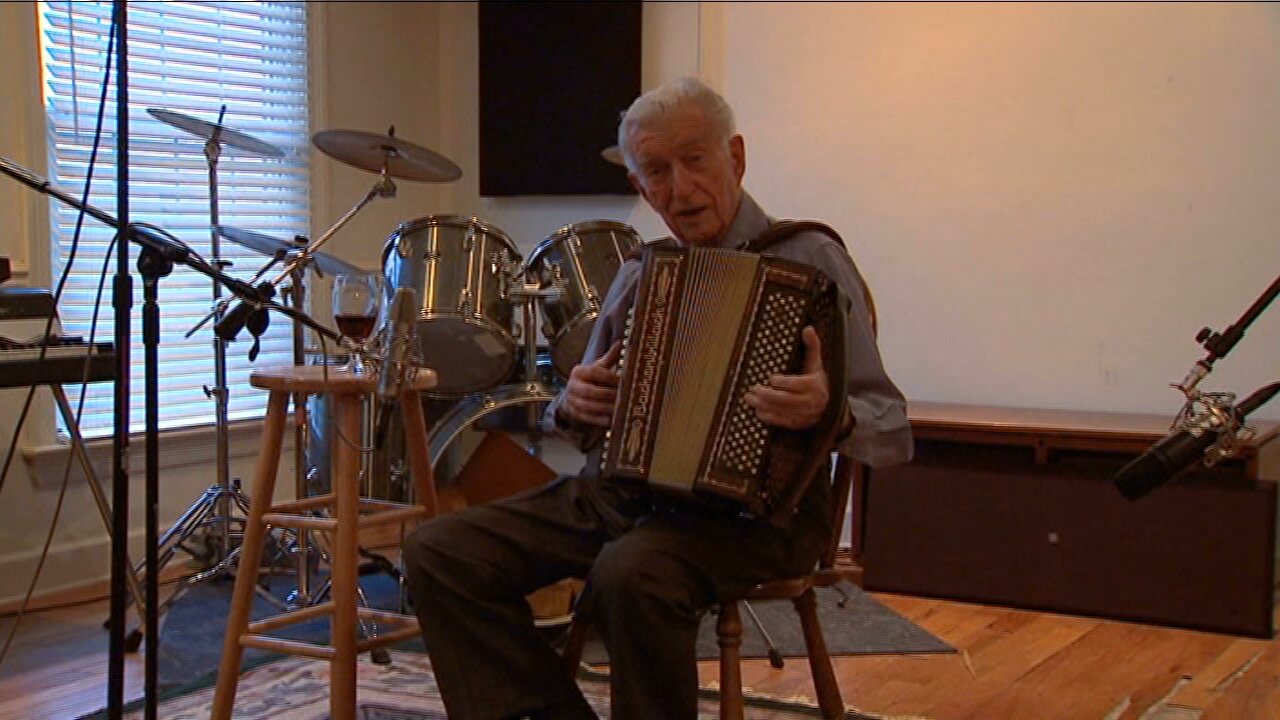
(1049, 200)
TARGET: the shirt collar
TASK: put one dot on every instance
(750, 221)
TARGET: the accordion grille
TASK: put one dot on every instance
(719, 286)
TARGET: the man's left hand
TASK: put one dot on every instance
(795, 402)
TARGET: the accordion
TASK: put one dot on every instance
(707, 325)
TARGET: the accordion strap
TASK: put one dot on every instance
(777, 232)
(637, 252)
(782, 229)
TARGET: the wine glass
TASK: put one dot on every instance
(357, 298)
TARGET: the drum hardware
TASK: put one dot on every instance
(281, 250)
(295, 294)
(296, 258)
(307, 554)
(386, 155)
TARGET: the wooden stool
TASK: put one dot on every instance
(346, 506)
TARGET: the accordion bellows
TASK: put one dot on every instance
(708, 324)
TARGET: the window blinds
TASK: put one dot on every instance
(188, 58)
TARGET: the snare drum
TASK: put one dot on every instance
(582, 259)
(460, 269)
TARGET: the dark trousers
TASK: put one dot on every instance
(652, 570)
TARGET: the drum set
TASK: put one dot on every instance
(481, 307)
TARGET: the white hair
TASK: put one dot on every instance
(667, 98)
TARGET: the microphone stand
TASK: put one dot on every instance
(1219, 344)
(174, 250)
(152, 266)
(122, 301)
(1210, 426)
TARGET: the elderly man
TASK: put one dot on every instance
(653, 567)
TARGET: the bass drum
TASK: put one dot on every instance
(476, 456)
(581, 259)
(514, 408)
(384, 471)
(461, 269)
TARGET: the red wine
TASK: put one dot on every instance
(356, 327)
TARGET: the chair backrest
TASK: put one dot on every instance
(846, 472)
(842, 481)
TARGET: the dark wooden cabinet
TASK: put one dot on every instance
(1017, 507)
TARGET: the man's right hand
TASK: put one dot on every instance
(592, 390)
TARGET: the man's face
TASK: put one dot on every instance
(691, 179)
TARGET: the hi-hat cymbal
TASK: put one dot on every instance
(205, 129)
(370, 151)
(613, 154)
(269, 246)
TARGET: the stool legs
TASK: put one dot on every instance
(344, 502)
(250, 557)
(346, 561)
(416, 441)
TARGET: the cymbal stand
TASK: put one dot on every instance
(295, 295)
(213, 507)
(219, 392)
(303, 549)
(302, 595)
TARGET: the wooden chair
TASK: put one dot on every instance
(799, 590)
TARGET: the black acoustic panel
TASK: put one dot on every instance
(554, 79)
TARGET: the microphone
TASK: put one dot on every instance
(234, 320)
(1178, 451)
(399, 339)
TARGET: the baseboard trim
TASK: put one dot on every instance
(85, 592)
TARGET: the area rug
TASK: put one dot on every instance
(853, 623)
(193, 628)
(298, 689)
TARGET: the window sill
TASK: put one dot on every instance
(178, 448)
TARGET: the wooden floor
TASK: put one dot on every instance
(1012, 665)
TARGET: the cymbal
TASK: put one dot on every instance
(369, 151)
(205, 129)
(613, 154)
(269, 246)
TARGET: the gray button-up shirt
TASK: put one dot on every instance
(881, 435)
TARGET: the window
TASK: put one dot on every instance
(188, 58)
